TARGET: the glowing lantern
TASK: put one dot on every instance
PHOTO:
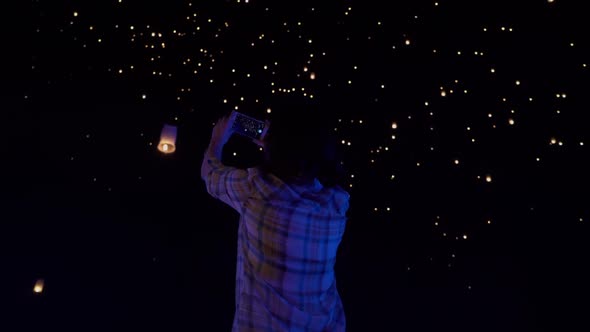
(39, 286)
(168, 139)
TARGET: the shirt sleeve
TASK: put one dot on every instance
(231, 185)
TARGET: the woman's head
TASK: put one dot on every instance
(300, 145)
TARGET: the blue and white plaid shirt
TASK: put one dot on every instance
(288, 236)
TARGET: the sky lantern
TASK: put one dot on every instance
(38, 288)
(168, 139)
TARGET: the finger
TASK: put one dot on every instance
(258, 142)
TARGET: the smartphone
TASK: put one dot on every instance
(247, 126)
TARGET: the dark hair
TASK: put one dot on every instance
(301, 145)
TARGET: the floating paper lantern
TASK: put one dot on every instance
(168, 139)
(39, 286)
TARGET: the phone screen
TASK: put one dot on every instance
(247, 126)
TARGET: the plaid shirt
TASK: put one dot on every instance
(288, 236)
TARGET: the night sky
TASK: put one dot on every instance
(463, 126)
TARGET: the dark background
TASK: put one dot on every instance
(127, 238)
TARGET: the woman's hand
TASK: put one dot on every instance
(262, 142)
(220, 135)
